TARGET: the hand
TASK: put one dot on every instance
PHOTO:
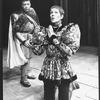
(50, 31)
(40, 33)
(28, 44)
(55, 41)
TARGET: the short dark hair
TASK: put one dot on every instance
(25, 0)
(61, 10)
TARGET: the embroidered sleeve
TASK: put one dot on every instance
(70, 40)
(39, 42)
(17, 22)
(38, 49)
(14, 19)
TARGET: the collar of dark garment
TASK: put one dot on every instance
(57, 28)
(31, 14)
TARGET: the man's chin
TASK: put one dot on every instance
(27, 10)
(53, 21)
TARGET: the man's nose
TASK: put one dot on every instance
(52, 15)
(26, 6)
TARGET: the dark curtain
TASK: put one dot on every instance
(42, 8)
(84, 13)
(64, 5)
(8, 6)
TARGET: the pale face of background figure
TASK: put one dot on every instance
(55, 15)
(26, 5)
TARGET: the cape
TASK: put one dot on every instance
(15, 56)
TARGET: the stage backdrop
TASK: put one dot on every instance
(83, 12)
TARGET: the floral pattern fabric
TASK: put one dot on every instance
(56, 64)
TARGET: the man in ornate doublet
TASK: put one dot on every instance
(60, 43)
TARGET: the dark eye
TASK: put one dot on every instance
(51, 12)
(56, 12)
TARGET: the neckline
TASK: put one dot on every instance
(56, 29)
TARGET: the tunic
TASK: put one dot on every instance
(56, 65)
(25, 24)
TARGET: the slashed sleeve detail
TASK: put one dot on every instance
(70, 40)
(15, 24)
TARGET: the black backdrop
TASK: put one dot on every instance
(84, 12)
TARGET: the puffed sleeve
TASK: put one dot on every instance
(14, 19)
(70, 39)
(39, 42)
(17, 21)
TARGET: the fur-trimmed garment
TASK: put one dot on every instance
(56, 65)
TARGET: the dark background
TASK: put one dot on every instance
(83, 12)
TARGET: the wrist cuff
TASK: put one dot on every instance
(23, 42)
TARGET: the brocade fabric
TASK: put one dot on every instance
(56, 63)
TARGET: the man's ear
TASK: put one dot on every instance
(62, 16)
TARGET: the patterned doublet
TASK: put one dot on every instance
(56, 64)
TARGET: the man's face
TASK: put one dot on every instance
(55, 15)
(26, 5)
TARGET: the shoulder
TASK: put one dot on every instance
(71, 28)
(16, 15)
(32, 10)
(71, 32)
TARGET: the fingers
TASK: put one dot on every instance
(27, 44)
(51, 29)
